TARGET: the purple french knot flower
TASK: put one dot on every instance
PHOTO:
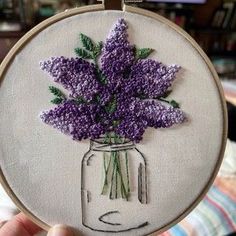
(79, 121)
(156, 114)
(141, 114)
(74, 74)
(151, 78)
(117, 54)
(126, 103)
(105, 96)
(132, 128)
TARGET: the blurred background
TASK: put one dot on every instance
(212, 23)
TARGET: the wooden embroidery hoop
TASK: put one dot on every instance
(117, 5)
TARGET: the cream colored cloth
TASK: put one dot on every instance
(42, 166)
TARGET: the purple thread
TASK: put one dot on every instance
(79, 121)
(150, 78)
(74, 74)
(126, 104)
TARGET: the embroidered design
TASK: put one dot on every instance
(107, 214)
(114, 94)
(123, 96)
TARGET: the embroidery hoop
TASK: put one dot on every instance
(104, 6)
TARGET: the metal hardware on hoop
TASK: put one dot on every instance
(113, 4)
(116, 4)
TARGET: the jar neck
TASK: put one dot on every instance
(101, 145)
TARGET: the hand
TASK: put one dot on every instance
(20, 225)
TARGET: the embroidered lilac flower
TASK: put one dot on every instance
(104, 96)
(156, 114)
(140, 114)
(150, 78)
(132, 128)
(123, 94)
(74, 74)
(117, 55)
(79, 121)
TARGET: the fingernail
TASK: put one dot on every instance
(60, 230)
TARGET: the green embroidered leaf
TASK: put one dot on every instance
(57, 100)
(83, 53)
(57, 92)
(174, 104)
(87, 42)
(97, 49)
(143, 53)
(100, 76)
(111, 107)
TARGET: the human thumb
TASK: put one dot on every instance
(60, 230)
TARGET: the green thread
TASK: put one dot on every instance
(57, 100)
(91, 51)
(116, 182)
(119, 187)
(143, 53)
(112, 176)
(121, 178)
(89, 45)
(106, 138)
(173, 103)
(57, 92)
(83, 53)
(100, 77)
(87, 42)
(111, 106)
(105, 168)
(97, 49)
(60, 96)
(106, 172)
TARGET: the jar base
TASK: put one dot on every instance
(116, 230)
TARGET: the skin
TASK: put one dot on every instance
(20, 225)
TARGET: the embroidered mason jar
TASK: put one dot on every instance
(113, 186)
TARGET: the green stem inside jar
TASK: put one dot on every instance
(116, 175)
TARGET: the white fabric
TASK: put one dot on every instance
(228, 168)
(42, 166)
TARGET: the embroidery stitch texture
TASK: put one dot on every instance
(114, 94)
(123, 96)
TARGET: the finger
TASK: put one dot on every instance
(60, 230)
(2, 223)
(20, 225)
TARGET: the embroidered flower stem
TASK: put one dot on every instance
(112, 86)
(121, 177)
(116, 183)
(106, 169)
(113, 174)
(173, 103)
